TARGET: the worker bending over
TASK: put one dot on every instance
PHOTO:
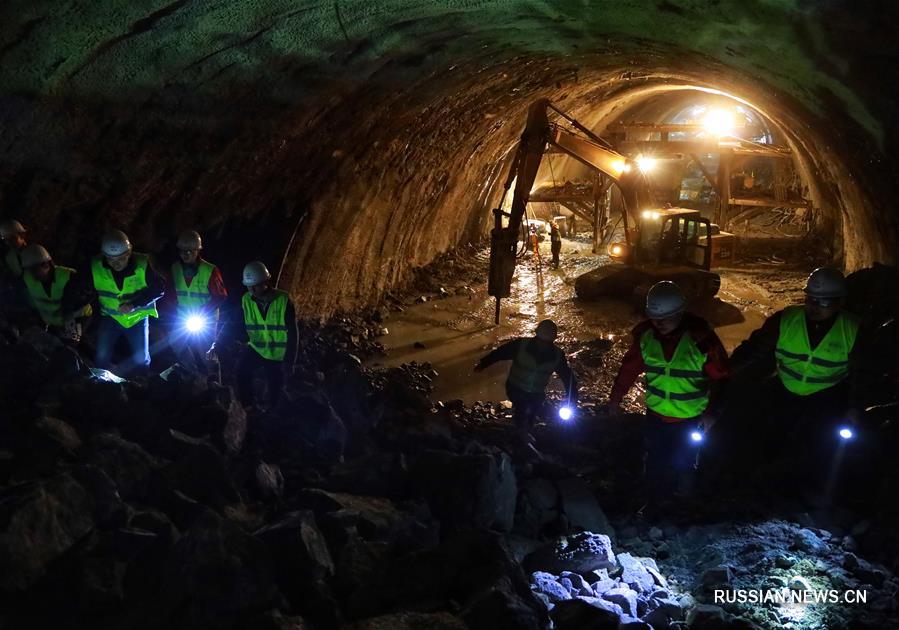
(534, 360)
(812, 350)
(47, 291)
(199, 293)
(682, 360)
(271, 334)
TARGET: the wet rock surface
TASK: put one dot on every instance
(359, 503)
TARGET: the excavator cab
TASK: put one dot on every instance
(667, 236)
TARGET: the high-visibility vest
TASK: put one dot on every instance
(49, 305)
(13, 264)
(268, 335)
(804, 371)
(527, 373)
(194, 296)
(111, 297)
(678, 388)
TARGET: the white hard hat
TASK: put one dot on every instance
(34, 255)
(10, 227)
(826, 282)
(255, 273)
(547, 330)
(115, 243)
(189, 240)
(664, 299)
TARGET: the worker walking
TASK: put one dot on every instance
(812, 350)
(127, 289)
(52, 296)
(534, 360)
(271, 334)
(684, 364)
(555, 238)
(12, 234)
(199, 294)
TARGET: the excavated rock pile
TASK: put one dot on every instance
(356, 503)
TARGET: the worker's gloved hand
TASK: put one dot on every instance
(71, 330)
(707, 421)
(125, 308)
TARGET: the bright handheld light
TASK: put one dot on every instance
(565, 413)
(696, 437)
(195, 324)
(846, 433)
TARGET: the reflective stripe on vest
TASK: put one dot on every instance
(12, 261)
(192, 297)
(268, 335)
(804, 371)
(527, 374)
(111, 297)
(678, 388)
(49, 306)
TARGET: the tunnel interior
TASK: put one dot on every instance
(360, 150)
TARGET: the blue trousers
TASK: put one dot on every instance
(138, 338)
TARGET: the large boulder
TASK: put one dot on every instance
(373, 518)
(536, 508)
(581, 508)
(126, 463)
(474, 569)
(576, 614)
(468, 491)
(218, 415)
(634, 574)
(199, 471)
(216, 573)
(378, 474)
(300, 555)
(579, 553)
(39, 521)
(92, 405)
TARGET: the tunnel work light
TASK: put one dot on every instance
(566, 412)
(718, 122)
(846, 433)
(616, 250)
(650, 214)
(195, 324)
(646, 164)
(696, 437)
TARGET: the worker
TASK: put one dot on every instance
(127, 288)
(685, 365)
(812, 350)
(12, 233)
(51, 295)
(555, 238)
(534, 360)
(199, 293)
(271, 334)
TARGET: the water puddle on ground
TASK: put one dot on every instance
(453, 333)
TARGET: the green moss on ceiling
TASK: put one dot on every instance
(110, 49)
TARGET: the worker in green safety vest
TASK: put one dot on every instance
(199, 294)
(126, 288)
(50, 294)
(684, 365)
(812, 352)
(534, 361)
(271, 334)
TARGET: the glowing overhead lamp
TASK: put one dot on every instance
(646, 164)
(719, 122)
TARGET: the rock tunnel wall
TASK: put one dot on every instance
(354, 141)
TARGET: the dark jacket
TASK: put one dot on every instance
(540, 351)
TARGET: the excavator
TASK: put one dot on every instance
(665, 243)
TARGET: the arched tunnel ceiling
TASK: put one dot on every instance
(382, 125)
